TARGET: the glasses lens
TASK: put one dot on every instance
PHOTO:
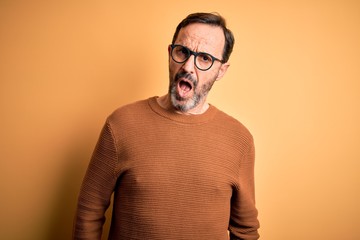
(204, 61)
(180, 54)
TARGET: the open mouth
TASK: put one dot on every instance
(185, 86)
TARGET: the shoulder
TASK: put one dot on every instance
(130, 109)
(133, 112)
(231, 124)
(128, 115)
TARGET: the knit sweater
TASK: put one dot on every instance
(174, 176)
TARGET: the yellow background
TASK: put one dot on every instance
(294, 81)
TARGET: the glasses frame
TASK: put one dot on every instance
(195, 56)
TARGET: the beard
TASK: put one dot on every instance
(199, 92)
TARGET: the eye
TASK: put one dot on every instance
(181, 51)
(184, 51)
(206, 58)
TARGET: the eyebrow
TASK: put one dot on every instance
(219, 59)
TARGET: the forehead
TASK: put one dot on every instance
(202, 38)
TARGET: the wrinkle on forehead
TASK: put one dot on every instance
(202, 38)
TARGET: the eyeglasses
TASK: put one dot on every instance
(203, 61)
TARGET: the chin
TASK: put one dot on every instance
(184, 105)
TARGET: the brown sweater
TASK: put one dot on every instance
(174, 176)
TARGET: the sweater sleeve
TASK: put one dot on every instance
(244, 223)
(97, 188)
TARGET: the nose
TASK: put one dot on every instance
(189, 65)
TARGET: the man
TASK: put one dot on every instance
(179, 168)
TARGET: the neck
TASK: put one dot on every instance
(165, 102)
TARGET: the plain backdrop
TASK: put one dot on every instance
(294, 81)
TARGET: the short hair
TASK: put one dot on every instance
(213, 19)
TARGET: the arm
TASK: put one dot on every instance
(97, 188)
(243, 219)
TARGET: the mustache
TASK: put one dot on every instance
(187, 76)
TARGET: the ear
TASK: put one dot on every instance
(169, 50)
(222, 70)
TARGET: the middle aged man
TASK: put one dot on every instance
(179, 168)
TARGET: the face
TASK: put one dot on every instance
(190, 86)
